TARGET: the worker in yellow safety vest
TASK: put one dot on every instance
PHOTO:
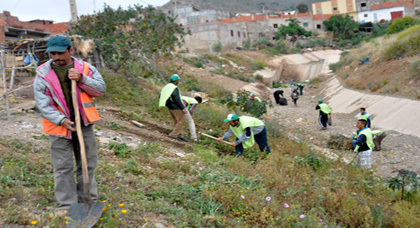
(247, 131)
(324, 112)
(365, 116)
(191, 104)
(171, 98)
(364, 145)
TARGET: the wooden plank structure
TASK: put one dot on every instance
(14, 70)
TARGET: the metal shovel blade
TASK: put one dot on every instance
(85, 214)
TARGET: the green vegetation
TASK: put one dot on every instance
(137, 33)
(243, 103)
(406, 46)
(292, 29)
(302, 8)
(217, 46)
(401, 24)
(342, 27)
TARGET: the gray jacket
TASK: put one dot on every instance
(48, 94)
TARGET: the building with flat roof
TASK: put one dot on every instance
(13, 29)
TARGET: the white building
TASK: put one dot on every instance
(386, 11)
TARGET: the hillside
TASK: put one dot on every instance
(241, 6)
(160, 182)
(397, 76)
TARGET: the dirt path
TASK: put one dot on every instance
(399, 151)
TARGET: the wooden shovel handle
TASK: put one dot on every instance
(212, 137)
(86, 185)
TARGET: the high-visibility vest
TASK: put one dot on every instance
(88, 107)
(190, 101)
(364, 116)
(258, 99)
(369, 139)
(324, 108)
(246, 121)
(165, 93)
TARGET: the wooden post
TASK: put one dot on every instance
(3, 70)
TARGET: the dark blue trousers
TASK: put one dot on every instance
(260, 138)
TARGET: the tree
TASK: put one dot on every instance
(302, 8)
(137, 33)
(342, 27)
(292, 29)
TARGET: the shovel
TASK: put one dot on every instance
(212, 137)
(83, 214)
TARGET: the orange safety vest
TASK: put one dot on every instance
(89, 110)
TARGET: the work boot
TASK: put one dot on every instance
(176, 138)
(183, 139)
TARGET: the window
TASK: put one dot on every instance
(318, 26)
(305, 24)
(239, 34)
(231, 32)
(365, 15)
(363, 5)
(275, 25)
(244, 35)
(335, 8)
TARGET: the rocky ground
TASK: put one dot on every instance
(399, 151)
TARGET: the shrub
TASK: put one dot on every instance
(217, 46)
(404, 47)
(258, 65)
(400, 24)
(414, 69)
(335, 66)
(263, 43)
(246, 44)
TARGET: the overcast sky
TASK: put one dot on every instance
(59, 10)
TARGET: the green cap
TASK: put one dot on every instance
(252, 94)
(320, 101)
(174, 78)
(231, 117)
(58, 44)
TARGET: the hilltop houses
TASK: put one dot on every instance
(232, 31)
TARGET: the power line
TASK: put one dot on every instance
(15, 5)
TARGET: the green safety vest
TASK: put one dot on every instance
(258, 99)
(364, 117)
(190, 101)
(324, 108)
(369, 141)
(165, 93)
(377, 132)
(246, 121)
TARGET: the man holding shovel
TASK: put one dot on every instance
(247, 130)
(52, 89)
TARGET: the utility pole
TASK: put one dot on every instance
(73, 10)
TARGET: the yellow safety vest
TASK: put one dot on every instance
(246, 121)
(165, 93)
(369, 139)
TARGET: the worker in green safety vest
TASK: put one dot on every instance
(253, 97)
(324, 112)
(364, 145)
(364, 115)
(247, 130)
(378, 136)
(191, 104)
(171, 98)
